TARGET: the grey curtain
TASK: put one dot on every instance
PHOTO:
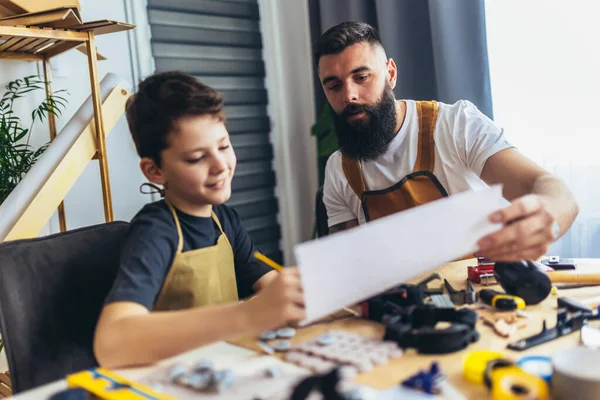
(439, 46)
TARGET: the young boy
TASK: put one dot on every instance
(187, 260)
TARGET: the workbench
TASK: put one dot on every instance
(390, 374)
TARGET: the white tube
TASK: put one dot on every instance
(23, 194)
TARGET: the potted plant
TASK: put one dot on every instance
(17, 155)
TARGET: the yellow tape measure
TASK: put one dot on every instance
(475, 363)
(512, 383)
(505, 297)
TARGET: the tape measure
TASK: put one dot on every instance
(537, 365)
(507, 381)
(475, 363)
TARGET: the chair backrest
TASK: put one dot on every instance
(52, 290)
(321, 214)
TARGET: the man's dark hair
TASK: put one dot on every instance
(336, 39)
(161, 100)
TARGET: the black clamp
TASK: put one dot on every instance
(427, 291)
(460, 297)
(565, 324)
(415, 327)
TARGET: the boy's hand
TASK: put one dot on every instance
(280, 302)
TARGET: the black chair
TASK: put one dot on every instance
(321, 214)
(52, 290)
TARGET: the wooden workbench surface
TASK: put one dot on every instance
(396, 370)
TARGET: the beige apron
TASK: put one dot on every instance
(199, 277)
(417, 188)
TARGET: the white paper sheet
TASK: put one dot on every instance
(354, 265)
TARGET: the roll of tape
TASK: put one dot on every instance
(576, 374)
(537, 365)
(512, 383)
(475, 363)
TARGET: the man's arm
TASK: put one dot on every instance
(343, 226)
(541, 203)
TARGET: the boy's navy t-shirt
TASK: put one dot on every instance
(150, 247)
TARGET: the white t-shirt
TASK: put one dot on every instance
(464, 139)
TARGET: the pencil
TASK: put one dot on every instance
(274, 265)
(268, 261)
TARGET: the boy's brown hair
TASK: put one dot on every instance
(161, 100)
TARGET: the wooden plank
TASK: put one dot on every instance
(9, 43)
(100, 132)
(46, 46)
(4, 378)
(43, 33)
(104, 26)
(35, 18)
(60, 48)
(59, 18)
(12, 7)
(42, 5)
(23, 42)
(20, 56)
(83, 49)
(35, 43)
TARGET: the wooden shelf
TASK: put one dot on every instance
(34, 43)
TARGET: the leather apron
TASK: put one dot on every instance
(199, 277)
(415, 189)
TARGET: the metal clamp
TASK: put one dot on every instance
(427, 291)
(460, 297)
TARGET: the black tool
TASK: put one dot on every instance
(572, 305)
(501, 301)
(565, 324)
(415, 327)
(524, 279)
(559, 264)
(460, 297)
(427, 291)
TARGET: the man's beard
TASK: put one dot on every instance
(368, 138)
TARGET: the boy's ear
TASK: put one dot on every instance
(151, 171)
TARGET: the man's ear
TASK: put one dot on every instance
(392, 72)
(151, 171)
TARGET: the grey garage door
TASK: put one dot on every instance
(220, 43)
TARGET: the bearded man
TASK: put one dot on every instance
(395, 154)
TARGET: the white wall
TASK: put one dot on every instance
(288, 63)
(544, 64)
(70, 71)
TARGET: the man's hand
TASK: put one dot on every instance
(529, 230)
(280, 302)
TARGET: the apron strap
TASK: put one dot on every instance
(427, 111)
(179, 233)
(214, 217)
(352, 170)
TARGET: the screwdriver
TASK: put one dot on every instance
(501, 301)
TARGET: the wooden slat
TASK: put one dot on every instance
(20, 56)
(43, 33)
(23, 42)
(117, 27)
(35, 43)
(59, 48)
(8, 4)
(46, 18)
(8, 43)
(47, 43)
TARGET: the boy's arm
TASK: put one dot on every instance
(128, 334)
